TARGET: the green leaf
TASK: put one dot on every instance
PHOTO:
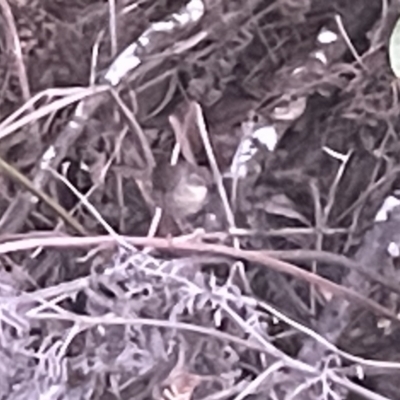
(394, 49)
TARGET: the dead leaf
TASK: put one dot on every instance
(281, 205)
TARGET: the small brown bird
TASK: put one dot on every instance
(181, 190)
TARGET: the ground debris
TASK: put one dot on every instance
(251, 125)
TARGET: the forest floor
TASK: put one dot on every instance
(191, 200)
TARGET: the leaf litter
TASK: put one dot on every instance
(160, 160)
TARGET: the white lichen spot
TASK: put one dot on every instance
(101, 330)
(195, 9)
(73, 124)
(326, 36)
(129, 60)
(388, 205)
(298, 70)
(84, 167)
(360, 372)
(393, 250)
(268, 136)
(320, 55)
(384, 324)
(144, 40)
(163, 26)
(47, 157)
(125, 62)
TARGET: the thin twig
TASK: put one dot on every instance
(49, 93)
(347, 40)
(84, 200)
(113, 27)
(214, 167)
(16, 44)
(49, 108)
(181, 244)
(37, 192)
(387, 365)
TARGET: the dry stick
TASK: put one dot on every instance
(181, 243)
(147, 153)
(201, 124)
(256, 382)
(282, 266)
(14, 174)
(210, 236)
(248, 128)
(101, 178)
(158, 212)
(19, 209)
(280, 232)
(173, 84)
(319, 224)
(374, 176)
(322, 216)
(362, 391)
(113, 27)
(181, 138)
(255, 334)
(367, 364)
(214, 167)
(17, 212)
(332, 258)
(119, 181)
(84, 200)
(47, 93)
(286, 255)
(21, 70)
(345, 36)
(50, 108)
(94, 58)
(135, 126)
(374, 186)
(22, 76)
